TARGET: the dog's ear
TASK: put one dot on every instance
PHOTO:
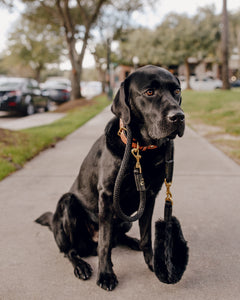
(180, 102)
(120, 104)
(180, 86)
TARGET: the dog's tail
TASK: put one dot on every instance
(45, 219)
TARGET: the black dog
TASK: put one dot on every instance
(85, 222)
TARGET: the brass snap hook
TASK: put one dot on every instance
(168, 193)
(135, 153)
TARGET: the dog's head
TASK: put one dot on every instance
(149, 101)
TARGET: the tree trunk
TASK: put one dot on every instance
(38, 71)
(76, 69)
(75, 82)
(224, 46)
(187, 67)
(71, 42)
(76, 59)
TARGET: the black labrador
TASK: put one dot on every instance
(85, 222)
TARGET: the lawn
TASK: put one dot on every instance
(220, 109)
(17, 147)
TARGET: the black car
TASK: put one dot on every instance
(58, 89)
(22, 95)
(235, 83)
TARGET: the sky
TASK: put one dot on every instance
(150, 18)
(153, 17)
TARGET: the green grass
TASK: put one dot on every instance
(17, 147)
(216, 108)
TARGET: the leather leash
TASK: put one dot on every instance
(132, 147)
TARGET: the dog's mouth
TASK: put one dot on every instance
(179, 132)
(172, 135)
(157, 133)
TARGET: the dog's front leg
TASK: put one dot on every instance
(145, 224)
(106, 277)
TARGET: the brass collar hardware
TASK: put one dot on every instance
(123, 137)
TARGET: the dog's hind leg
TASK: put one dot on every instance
(129, 242)
(71, 234)
(120, 229)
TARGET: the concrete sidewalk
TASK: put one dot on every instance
(31, 121)
(206, 199)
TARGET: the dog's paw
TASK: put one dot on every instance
(107, 281)
(83, 271)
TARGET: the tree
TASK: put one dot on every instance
(78, 18)
(32, 45)
(111, 27)
(138, 42)
(177, 34)
(234, 39)
(6, 3)
(175, 41)
(224, 47)
(186, 38)
(89, 12)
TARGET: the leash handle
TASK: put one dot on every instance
(138, 179)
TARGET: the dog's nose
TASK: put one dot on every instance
(176, 117)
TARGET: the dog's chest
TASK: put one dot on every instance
(153, 171)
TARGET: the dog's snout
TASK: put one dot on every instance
(176, 117)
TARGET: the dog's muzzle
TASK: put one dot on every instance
(169, 126)
(176, 120)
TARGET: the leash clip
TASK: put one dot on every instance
(135, 153)
(168, 193)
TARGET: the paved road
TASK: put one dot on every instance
(206, 193)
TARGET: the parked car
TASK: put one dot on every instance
(22, 95)
(205, 84)
(235, 83)
(58, 89)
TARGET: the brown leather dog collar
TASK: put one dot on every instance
(134, 143)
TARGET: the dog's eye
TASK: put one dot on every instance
(177, 92)
(149, 92)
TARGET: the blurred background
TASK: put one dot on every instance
(83, 47)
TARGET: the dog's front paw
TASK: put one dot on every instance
(83, 270)
(107, 281)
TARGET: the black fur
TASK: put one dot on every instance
(170, 251)
(149, 102)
